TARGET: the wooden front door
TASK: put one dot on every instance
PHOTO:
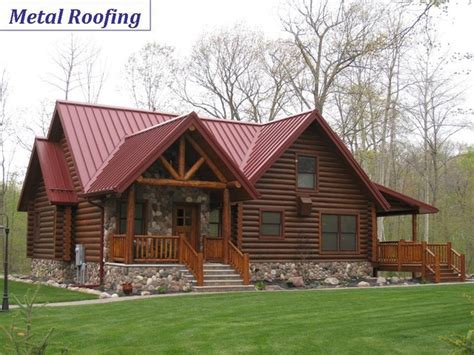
(186, 222)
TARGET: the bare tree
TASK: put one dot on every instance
(236, 73)
(149, 75)
(92, 74)
(67, 59)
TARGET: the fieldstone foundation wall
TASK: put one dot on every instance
(167, 278)
(342, 270)
(62, 272)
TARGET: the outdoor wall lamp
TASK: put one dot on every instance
(5, 227)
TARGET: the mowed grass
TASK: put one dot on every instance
(359, 321)
(46, 294)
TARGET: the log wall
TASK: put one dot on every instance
(86, 218)
(338, 191)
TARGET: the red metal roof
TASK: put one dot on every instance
(404, 200)
(57, 180)
(109, 144)
(140, 150)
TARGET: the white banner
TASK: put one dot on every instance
(75, 15)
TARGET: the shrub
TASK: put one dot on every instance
(260, 285)
(20, 338)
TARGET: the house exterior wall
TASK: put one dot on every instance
(338, 191)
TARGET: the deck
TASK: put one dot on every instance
(435, 262)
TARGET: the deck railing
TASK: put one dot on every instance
(155, 248)
(240, 262)
(427, 257)
(192, 259)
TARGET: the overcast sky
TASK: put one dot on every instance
(27, 55)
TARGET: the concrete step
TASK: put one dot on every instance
(222, 282)
(220, 272)
(217, 267)
(223, 288)
(222, 277)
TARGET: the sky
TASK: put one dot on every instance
(27, 55)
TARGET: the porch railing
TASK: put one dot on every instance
(192, 259)
(428, 257)
(240, 262)
(155, 248)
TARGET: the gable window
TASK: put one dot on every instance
(306, 172)
(215, 222)
(271, 224)
(338, 233)
(140, 220)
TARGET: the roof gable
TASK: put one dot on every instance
(49, 158)
(139, 151)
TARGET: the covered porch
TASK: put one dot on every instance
(437, 262)
(182, 229)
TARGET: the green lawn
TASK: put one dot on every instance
(377, 321)
(45, 294)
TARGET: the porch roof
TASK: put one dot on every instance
(401, 204)
(138, 151)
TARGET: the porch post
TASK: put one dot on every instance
(226, 223)
(375, 240)
(130, 231)
(414, 227)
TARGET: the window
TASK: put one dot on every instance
(306, 172)
(140, 220)
(215, 222)
(271, 224)
(339, 233)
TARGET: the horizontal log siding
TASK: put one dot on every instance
(43, 239)
(86, 218)
(30, 229)
(338, 191)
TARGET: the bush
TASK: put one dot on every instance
(260, 285)
(20, 338)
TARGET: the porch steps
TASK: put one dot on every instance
(219, 278)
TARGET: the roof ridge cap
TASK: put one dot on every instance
(156, 126)
(121, 108)
(288, 117)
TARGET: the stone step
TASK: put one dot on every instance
(223, 288)
(222, 282)
(218, 267)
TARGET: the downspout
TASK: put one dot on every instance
(101, 251)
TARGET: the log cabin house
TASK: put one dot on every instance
(218, 202)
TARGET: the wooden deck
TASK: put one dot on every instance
(435, 262)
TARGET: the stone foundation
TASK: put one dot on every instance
(153, 279)
(342, 270)
(62, 272)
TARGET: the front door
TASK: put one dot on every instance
(186, 222)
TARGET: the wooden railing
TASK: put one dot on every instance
(192, 259)
(240, 262)
(431, 264)
(458, 263)
(213, 249)
(155, 248)
(425, 257)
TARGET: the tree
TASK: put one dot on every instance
(236, 73)
(149, 75)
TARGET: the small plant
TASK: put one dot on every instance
(162, 289)
(20, 338)
(463, 344)
(260, 286)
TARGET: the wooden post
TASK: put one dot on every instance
(182, 157)
(437, 269)
(399, 255)
(375, 239)
(240, 218)
(414, 226)
(423, 260)
(200, 271)
(246, 269)
(226, 221)
(130, 231)
(449, 253)
(181, 249)
(463, 267)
